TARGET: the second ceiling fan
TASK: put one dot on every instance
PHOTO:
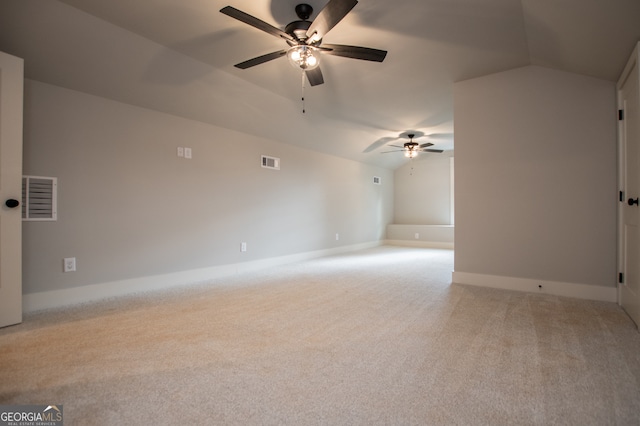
(411, 148)
(304, 38)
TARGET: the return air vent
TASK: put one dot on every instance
(270, 162)
(39, 198)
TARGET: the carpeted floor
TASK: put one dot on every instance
(374, 337)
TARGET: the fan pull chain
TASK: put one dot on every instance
(303, 81)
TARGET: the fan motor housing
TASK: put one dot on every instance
(298, 29)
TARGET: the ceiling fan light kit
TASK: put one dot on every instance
(304, 57)
(410, 152)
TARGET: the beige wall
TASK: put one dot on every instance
(536, 177)
(422, 193)
(129, 207)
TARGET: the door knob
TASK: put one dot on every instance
(633, 201)
(11, 203)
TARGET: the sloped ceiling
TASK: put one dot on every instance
(178, 57)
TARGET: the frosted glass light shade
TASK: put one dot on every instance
(304, 57)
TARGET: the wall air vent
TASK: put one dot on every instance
(39, 198)
(376, 180)
(270, 162)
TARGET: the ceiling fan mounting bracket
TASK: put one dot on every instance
(304, 11)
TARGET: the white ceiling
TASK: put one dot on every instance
(178, 57)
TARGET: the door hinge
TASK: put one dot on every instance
(620, 277)
(620, 114)
(621, 197)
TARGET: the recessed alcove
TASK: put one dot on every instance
(423, 202)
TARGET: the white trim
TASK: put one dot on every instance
(89, 293)
(452, 192)
(621, 190)
(579, 291)
(423, 244)
(431, 235)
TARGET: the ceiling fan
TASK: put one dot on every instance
(304, 38)
(411, 148)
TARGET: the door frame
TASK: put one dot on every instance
(622, 157)
(11, 128)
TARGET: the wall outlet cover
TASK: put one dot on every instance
(69, 264)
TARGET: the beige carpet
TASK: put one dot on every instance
(375, 337)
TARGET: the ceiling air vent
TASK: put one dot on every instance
(270, 162)
(39, 198)
(376, 180)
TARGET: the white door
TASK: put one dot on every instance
(11, 93)
(628, 98)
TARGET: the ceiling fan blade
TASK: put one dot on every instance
(260, 60)
(328, 17)
(445, 136)
(380, 142)
(355, 52)
(255, 22)
(395, 150)
(431, 150)
(315, 76)
(397, 146)
(424, 145)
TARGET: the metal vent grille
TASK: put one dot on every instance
(39, 198)
(270, 162)
(376, 180)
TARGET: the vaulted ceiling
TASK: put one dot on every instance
(178, 56)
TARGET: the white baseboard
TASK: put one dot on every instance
(423, 244)
(53, 299)
(580, 291)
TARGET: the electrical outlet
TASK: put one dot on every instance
(69, 264)
(187, 153)
(337, 236)
(243, 247)
(417, 236)
(180, 151)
